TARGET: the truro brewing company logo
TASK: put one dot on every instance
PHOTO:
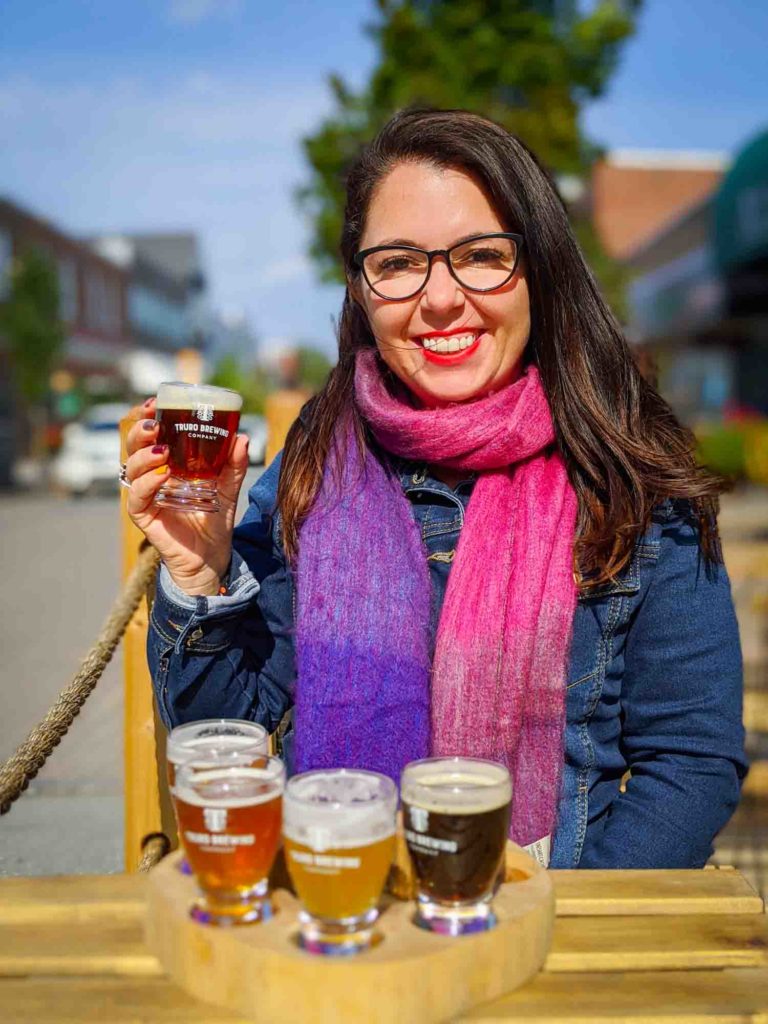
(215, 818)
(419, 818)
(204, 413)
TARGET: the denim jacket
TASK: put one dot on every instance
(653, 686)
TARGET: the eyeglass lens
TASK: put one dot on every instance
(481, 264)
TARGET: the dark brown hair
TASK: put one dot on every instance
(624, 448)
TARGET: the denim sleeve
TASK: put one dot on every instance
(681, 702)
(229, 656)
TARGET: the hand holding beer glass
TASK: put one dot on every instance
(229, 812)
(339, 830)
(456, 814)
(196, 548)
(198, 423)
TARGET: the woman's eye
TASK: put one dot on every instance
(395, 264)
(481, 256)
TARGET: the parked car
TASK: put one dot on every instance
(89, 456)
(256, 428)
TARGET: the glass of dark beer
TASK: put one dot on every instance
(339, 831)
(199, 424)
(230, 819)
(456, 816)
(220, 737)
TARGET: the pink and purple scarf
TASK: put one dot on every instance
(367, 693)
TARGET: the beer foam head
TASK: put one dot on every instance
(210, 742)
(175, 395)
(228, 787)
(456, 785)
(339, 808)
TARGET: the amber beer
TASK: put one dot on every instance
(339, 832)
(230, 822)
(456, 818)
(341, 881)
(199, 424)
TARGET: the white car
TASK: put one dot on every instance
(90, 452)
(255, 427)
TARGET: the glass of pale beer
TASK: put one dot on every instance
(456, 816)
(339, 841)
(230, 818)
(199, 424)
(221, 737)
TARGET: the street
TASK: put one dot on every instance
(62, 572)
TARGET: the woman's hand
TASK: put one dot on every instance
(195, 546)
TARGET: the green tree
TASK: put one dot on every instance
(529, 64)
(29, 319)
(313, 369)
(251, 383)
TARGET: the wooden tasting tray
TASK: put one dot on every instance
(411, 976)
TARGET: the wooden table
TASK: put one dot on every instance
(628, 946)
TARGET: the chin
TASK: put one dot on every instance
(449, 391)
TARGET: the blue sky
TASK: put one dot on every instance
(187, 114)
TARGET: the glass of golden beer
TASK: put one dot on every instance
(456, 815)
(230, 818)
(221, 737)
(199, 424)
(339, 838)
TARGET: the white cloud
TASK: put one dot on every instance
(191, 12)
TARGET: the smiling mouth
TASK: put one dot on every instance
(449, 344)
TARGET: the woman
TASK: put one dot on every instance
(487, 534)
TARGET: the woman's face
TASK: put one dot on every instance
(433, 208)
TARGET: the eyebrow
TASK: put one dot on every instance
(415, 245)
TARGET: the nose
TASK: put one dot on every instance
(442, 291)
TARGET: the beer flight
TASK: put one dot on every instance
(234, 808)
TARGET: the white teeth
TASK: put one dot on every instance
(456, 343)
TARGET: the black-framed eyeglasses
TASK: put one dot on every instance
(480, 264)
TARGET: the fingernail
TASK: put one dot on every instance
(149, 424)
(149, 401)
(159, 449)
(161, 469)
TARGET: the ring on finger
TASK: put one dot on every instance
(122, 477)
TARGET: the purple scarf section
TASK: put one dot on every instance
(367, 694)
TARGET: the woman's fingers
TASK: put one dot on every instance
(145, 487)
(142, 434)
(145, 460)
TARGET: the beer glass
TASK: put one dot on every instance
(456, 816)
(199, 423)
(191, 742)
(339, 840)
(230, 816)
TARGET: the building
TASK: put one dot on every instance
(165, 306)
(93, 309)
(699, 294)
(636, 193)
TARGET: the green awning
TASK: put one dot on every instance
(741, 208)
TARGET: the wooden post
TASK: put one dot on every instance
(280, 410)
(142, 813)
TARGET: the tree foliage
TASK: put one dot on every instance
(255, 383)
(528, 64)
(252, 384)
(29, 319)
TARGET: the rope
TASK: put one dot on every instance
(23, 766)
